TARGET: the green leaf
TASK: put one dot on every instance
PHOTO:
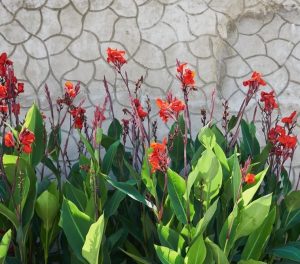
(249, 140)
(292, 201)
(109, 157)
(75, 195)
(251, 261)
(203, 223)
(4, 246)
(99, 134)
(147, 177)
(248, 194)
(168, 256)
(221, 156)
(253, 215)
(138, 259)
(236, 178)
(115, 129)
(88, 146)
(128, 189)
(218, 254)
(34, 122)
(112, 205)
(257, 241)
(290, 219)
(232, 122)
(176, 191)
(75, 225)
(54, 143)
(197, 252)
(47, 206)
(207, 137)
(290, 251)
(91, 247)
(11, 216)
(170, 238)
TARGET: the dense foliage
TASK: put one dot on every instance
(218, 196)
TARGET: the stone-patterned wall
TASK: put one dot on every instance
(223, 40)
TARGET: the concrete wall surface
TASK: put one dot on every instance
(52, 41)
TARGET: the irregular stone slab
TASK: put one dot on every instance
(14, 33)
(203, 24)
(5, 17)
(19, 55)
(97, 5)
(236, 67)
(57, 3)
(279, 50)
(37, 71)
(83, 72)
(248, 46)
(50, 25)
(125, 8)
(57, 44)
(81, 5)
(201, 47)
(35, 47)
(70, 21)
(153, 11)
(30, 19)
(34, 3)
(262, 64)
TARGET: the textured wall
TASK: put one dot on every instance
(223, 40)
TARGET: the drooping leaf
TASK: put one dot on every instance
(168, 256)
(176, 191)
(92, 243)
(115, 129)
(4, 246)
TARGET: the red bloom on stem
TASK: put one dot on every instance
(116, 57)
(140, 111)
(186, 76)
(289, 119)
(79, 117)
(70, 90)
(3, 63)
(16, 108)
(158, 158)
(169, 108)
(250, 178)
(20, 88)
(3, 108)
(9, 140)
(26, 138)
(3, 91)
(288, 141)
(255, 79)
(269, 100)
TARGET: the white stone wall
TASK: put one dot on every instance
(223, 40)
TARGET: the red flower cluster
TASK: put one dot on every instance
(169, 108)
(249, 178)
(78, 114)
(140, 111)
(25, 140)
(4, 62)
(158, 158)
(255, 80)
(116, 57)
(186, 76)
(71, 90)
(269, 101)
(289, 120)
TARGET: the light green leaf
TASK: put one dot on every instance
(207, 137)
(170, 238)
(4, 246)
(176, 191)
(75, 225)
(218, 255)
(292, 201)
(168, 256)
(236, 178)
(91, 247)
(197, 252)
(147, 177)
(251, 261)
(257, 241)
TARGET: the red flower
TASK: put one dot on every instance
(3, 92)
(3, 108)
(26, 138)
(269, 100)
(78, 115)
(16, 108)
(288, 141)
(9, 140)
(20, 88)
(275, 132)
(289, 119)
(140, 111)
(116, 57)
(3, 63)
(158, 158)
(169, 108)
(98, 117)
(250, 178)
(70, 90)
(186, 76)
(255, 79)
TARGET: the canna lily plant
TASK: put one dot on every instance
(216, 196)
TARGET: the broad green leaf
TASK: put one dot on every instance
(290, 251)
(176, 191)
(112, 205)
(292, 201)
(218, 254)
(34, 122)
(109, 157)
(207, 137)
(248, 194)
(197, 252)
(47, 206)
(257, 241)
(249, 140)
(128, 189)
(75, 195)
(253, 215)
(290, 219)
(75, 225)
(168, 256)
(236, 178)
(170, 238)
(87, 145)
(92, 243)
(115, 129)
(251, 261)
(203, 223)
(138, 259)
(11, 216)
(4, 246)
(221, 156)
